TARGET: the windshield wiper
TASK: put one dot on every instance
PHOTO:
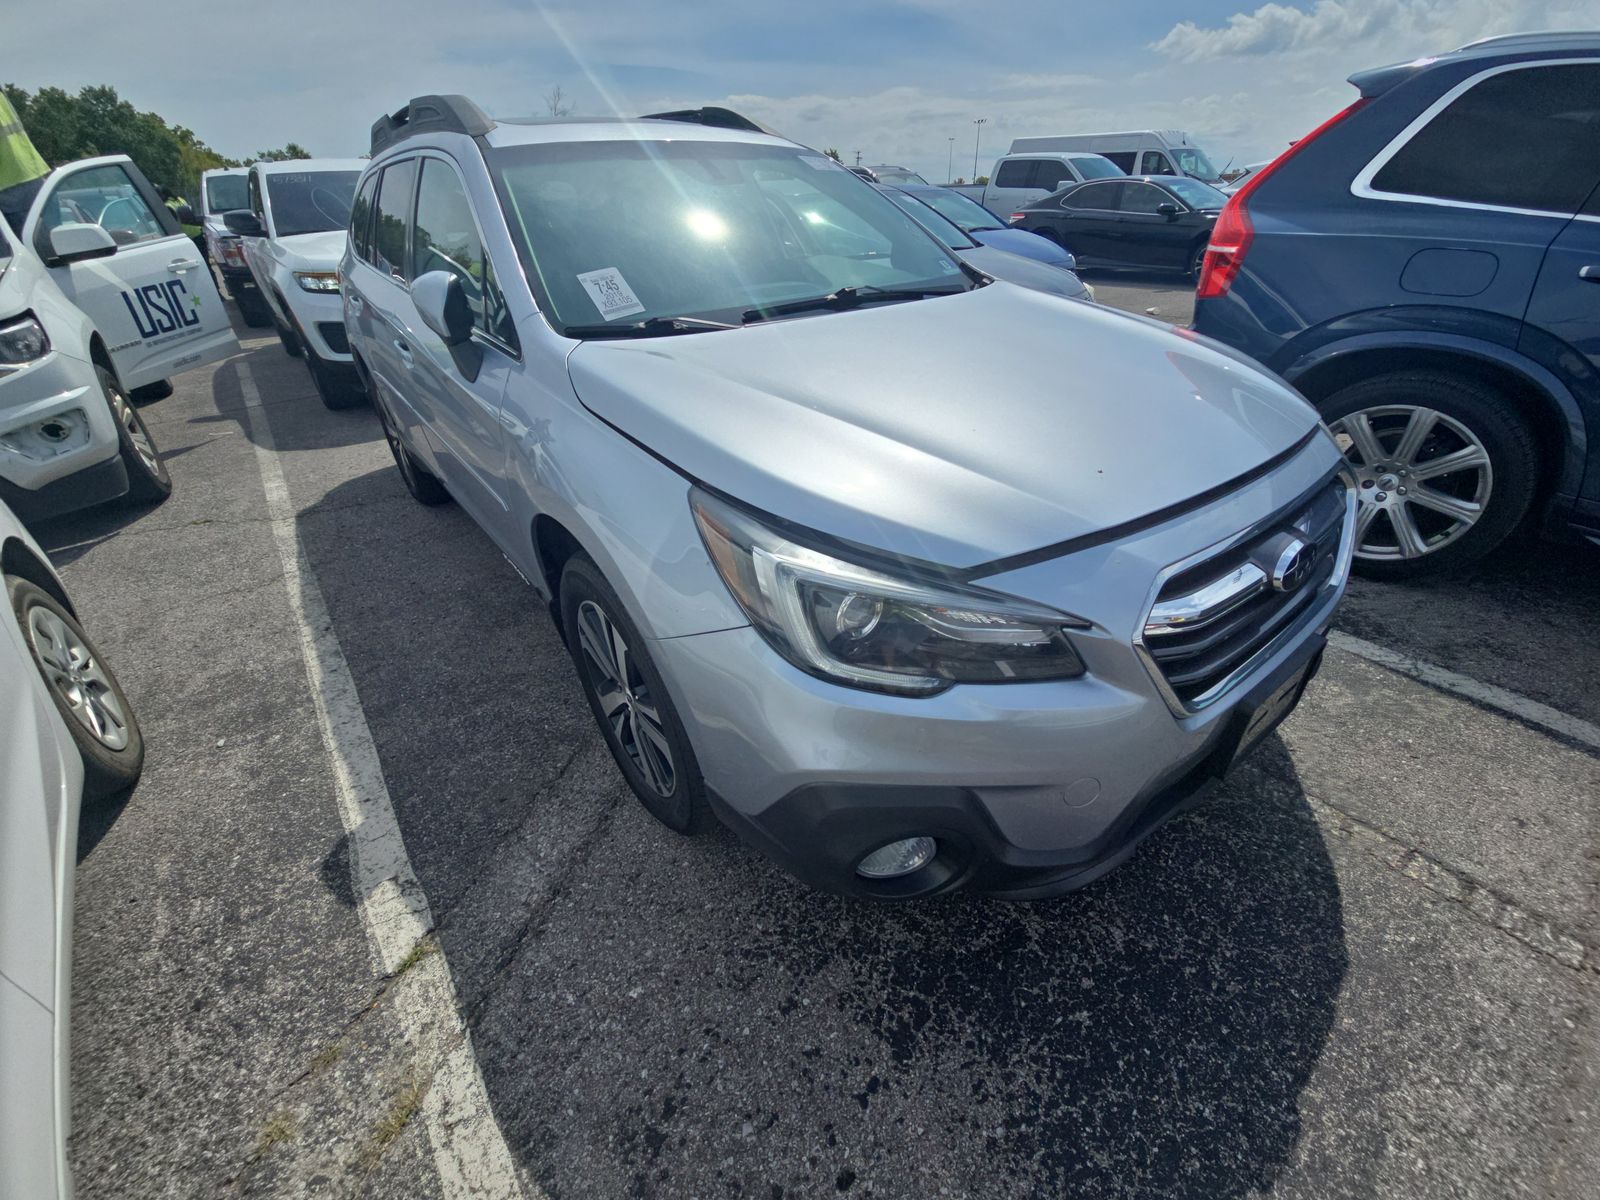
(650, 327)
(846, 298)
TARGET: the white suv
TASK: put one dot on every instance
(100, 294)
(294, 235)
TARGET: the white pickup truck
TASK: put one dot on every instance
(1018, 179)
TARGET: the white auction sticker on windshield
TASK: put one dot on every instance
(611, 293)
(818, 162)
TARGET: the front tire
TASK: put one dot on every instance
(159, 390)
(422, 483)
(148, 479)
(629, 701)
(1446, 468)
(85, 692)
(253, 308)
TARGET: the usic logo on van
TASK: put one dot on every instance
(158, 308)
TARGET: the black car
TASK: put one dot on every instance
(1425, 268)
(1160, 222)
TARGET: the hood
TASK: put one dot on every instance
(1020, 241)
(1025, 272)
(314, 251)
(956, 429)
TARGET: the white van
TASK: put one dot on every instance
(1141, 152)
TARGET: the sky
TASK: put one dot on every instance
(901, 81)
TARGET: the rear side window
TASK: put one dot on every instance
(1094, 195)
(1142, 198)
(1014, 172)
(394, 218)
(1526, 138)
(1123, 159)
(361, 219)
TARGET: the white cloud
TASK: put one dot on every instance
(1401, 26)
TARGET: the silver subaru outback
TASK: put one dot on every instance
(916, 578)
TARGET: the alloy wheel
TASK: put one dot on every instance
(75, 675)
(138, 435)
(1423, 479)
(625, 699)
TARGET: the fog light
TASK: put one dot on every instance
(897, 858)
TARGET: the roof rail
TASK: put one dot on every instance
(720, 118)
(429, 114)
(1560, 36)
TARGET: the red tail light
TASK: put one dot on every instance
(1015, 217)
(1233, 232)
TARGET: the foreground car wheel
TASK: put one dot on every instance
(1445, 468)
(422, 483)
(84, 690)
(629, 701)
(253, 309)
(338, 386)
(148, 479)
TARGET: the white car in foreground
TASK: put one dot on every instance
(294, 234)
(67, 734)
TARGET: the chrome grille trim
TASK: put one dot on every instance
(1228, 607)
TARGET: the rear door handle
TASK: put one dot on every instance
(404, 352)
(179, 265)
(1590, 274)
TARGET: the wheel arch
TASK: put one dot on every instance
(1549, 407)
(554, 545)
(17, 558)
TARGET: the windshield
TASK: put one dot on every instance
(965, 212)
(930, 219)
(1095, 166)
(226, 193)
(1194, 193)
(1193, 161)
(642, 229)
(310, 201)
(897, 175)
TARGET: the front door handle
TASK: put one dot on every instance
(405, 353)
(179, 265)
(1590, 274)
(355, 301)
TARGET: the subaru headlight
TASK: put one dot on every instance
(22, 341)
(317, 281)
(860, 626)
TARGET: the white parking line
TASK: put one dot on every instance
(1542, 716)
(469, 1151)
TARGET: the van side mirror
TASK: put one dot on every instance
(442, 304)
(244, 223)
(75, 241)
(1169, 211)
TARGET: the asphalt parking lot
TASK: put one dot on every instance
(1371, 968)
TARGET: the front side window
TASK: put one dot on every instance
(445, 236)
(253, 195)
(226, 193)
(361, 219)
(1052, 175)
(310, 201)
(389, 236)
(1102, 196)
(1153, 162)
(614, 229)
(954, 207)
(1098, 166)
(104, 196)
(1142, 198)
(1527, 138)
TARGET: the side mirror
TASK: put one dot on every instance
(1169, 211)
(244, 222)
(442, 304)
(76, 241)
(1069, 263)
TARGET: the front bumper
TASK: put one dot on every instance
(313, 310)
(55, 424)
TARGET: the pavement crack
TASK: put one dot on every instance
(1487, 905)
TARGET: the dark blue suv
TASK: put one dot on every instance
(1425, 268)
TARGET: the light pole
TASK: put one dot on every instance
(858, 158)
(976, 138)
(950, 161)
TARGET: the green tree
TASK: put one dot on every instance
(64, 127)
(289, 151)
(834, 154)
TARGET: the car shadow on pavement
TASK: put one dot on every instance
(1149, 1035)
